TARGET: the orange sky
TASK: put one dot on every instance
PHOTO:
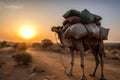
(42, 15)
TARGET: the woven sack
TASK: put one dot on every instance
(93, 30)
(76, 30)
(103, 33)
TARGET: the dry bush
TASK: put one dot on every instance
(22, 58)
(58, 48)
(20, 47)
(46, 43)
(3, 44)
(35, 45)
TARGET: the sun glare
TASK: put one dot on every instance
(27, 32)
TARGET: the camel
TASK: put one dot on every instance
(79, 46)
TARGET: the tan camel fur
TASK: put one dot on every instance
(79, 46)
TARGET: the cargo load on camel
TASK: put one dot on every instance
(83, 24)
(82, 31)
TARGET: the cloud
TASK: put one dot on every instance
(9, 5)
(14, 7)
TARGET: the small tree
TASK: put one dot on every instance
(20, 47)
(3, 43)
(36, 45)
(46, 42)
(22, 58)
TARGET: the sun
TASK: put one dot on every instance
(27, 32)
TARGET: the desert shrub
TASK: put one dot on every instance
(15, 45)
(46, 43)
(20, 47)
(3, 43)
(55, 48)
(23, 58)
(36, 45)
(58, 48)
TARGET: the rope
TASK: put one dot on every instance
(56, 39)
(64, 66)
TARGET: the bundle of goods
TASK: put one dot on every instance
(87, 17)
(77, 31)
(93, 30)
(103, 33)
(70, 13)
(83, 24)
(72, 20)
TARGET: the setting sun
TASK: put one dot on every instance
(27, 32)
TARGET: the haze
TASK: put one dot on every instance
(43, 14)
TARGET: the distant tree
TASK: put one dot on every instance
(3, 43)
(20, 47)
(15, 45)
(36, 45)
(46, 42)
(22, 58)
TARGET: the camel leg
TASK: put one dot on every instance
(97, 63)
(82, 65)
(102, 65)
(101, 54)
(72, 63)
(95, 53)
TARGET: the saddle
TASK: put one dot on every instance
(90, 42)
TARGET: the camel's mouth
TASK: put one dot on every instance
(56, 29)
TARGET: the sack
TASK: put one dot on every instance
(97, 18)
(103, 33)
(98, 23)
(93, 30)
(86, 17)
(65, 22)
(76, 30)
(74, 19)
(70, 13)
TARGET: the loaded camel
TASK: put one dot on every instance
(79, 45)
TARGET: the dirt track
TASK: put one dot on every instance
(51, 63)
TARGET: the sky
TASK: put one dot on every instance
(44, 14)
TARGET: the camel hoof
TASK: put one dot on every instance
(83, 79)
(102, 78)
(92, 75)
(69, 74)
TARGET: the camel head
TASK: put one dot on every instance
(57, 29)
(63, 40)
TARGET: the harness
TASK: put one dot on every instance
(61, 58)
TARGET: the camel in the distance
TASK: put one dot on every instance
(79, 45)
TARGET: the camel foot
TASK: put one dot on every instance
(84, 78)
(69, 74)
(102, 78)
(92, 75)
